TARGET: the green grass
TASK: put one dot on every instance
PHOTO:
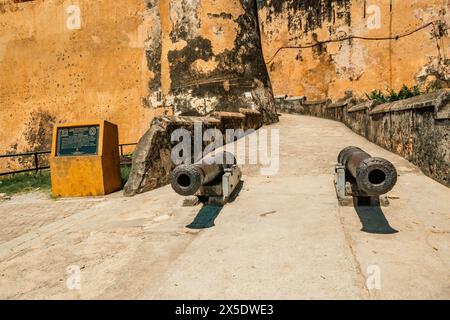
(25, 182)
(28, 182)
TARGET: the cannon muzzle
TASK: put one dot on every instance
(186, 180)
(374, 176)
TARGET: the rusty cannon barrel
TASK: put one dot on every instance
(186, 180)
(374, 176)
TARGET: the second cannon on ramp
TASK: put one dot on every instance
(374, 176)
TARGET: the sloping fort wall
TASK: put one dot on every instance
(417, 129)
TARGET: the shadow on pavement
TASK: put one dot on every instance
(205, 218)
(373, 219)
(208, 213)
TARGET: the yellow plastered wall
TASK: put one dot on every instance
(77, 60)
(358, 65)
(71, 61)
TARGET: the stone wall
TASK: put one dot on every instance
(152, 162)
(417, 129)
(321, 48)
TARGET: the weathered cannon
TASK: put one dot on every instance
(213, 178)
(361, 175)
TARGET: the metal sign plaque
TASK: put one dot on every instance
(77, 141)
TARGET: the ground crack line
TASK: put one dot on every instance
(348, 240)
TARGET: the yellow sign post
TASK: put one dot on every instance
(85, 159)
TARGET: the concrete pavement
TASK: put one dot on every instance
(284, 237)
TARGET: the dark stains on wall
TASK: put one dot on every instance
(40, 130)
(188, 22)
(239, 70)
(222, 15)
(154, 63)
(154, 51)
(38, 137)
(320, 48)
(181, 61)
(309, 15)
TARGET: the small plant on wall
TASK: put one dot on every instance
(404, 93)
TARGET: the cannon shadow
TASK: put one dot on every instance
(372, 218)
(205, 217)
(208, 214)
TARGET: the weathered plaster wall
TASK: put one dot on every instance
(327, 70)
(129, 60)
(209, 58)
(125, 61)
(71, 61)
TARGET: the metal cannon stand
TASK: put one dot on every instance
(220, 191)
(347, 190)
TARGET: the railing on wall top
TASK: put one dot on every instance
(35, 156)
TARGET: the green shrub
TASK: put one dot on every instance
(377, 95)
(391, 96)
